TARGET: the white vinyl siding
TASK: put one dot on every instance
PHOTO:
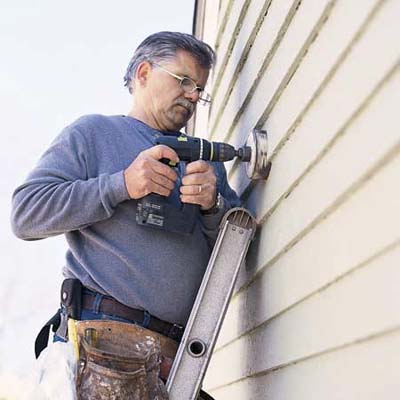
(316, 309)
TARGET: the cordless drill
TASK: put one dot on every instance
(191, 149)
(155, 211)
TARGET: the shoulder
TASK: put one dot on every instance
(81, 132)
(93, 122)
(93, 126)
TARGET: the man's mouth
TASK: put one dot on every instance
(187, 105)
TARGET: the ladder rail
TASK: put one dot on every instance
(208, 312)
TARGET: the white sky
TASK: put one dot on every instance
(58, 61)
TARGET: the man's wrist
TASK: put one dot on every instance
(216, 207)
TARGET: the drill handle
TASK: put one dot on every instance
(187, 148)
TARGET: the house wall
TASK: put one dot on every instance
(316, 309)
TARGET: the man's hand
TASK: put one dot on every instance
(146, 174)
(199, 185)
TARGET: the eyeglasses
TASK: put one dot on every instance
(188, 85)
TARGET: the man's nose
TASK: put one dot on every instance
(193, 97)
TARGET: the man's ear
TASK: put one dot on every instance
(143, 72)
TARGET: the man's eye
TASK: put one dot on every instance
(187, 82)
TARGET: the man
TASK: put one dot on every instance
(88, 183)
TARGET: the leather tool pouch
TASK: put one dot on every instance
(115, 364)
(71, 297)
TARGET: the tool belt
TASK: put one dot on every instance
(111, 306)
(75, 297)
(131, 373)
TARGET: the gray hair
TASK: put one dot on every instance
(164, 46)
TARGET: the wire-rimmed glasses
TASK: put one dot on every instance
(188, 85)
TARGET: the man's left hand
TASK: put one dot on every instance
(199, 185)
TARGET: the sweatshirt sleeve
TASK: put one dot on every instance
(58, 196)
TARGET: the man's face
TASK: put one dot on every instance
(165, 102)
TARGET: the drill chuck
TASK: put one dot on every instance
(244, 153)
(226, 152)
(222, 151)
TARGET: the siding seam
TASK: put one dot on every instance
(243, 57)
(287, 77)
(341, 132)
(325, 82)
(231, 45)
(344, 196)
(380, 253)
(377, 335)
(223, 25)
(296, 63)
(327, 79)
(280, 35)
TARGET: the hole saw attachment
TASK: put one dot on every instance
(258, 166)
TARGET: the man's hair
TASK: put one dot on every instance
(164, 46)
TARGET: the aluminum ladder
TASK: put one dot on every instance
(237, 229)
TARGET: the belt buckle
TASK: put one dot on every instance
(176, 331)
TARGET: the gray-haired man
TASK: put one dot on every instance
(87, 184)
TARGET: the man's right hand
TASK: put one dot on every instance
(148, 175)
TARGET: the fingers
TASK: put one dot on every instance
(198, 166)
(156, 188)
(195, 189)
(160, 184)
(147, 175)
(161, 170)
(199, 172)
(205, 199)
(199, 185)
(162, 151)
(157, 153)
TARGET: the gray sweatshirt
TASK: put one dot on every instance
(78, 189)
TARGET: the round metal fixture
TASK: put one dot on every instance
(258, 167)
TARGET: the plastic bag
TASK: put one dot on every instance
(54, 374)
